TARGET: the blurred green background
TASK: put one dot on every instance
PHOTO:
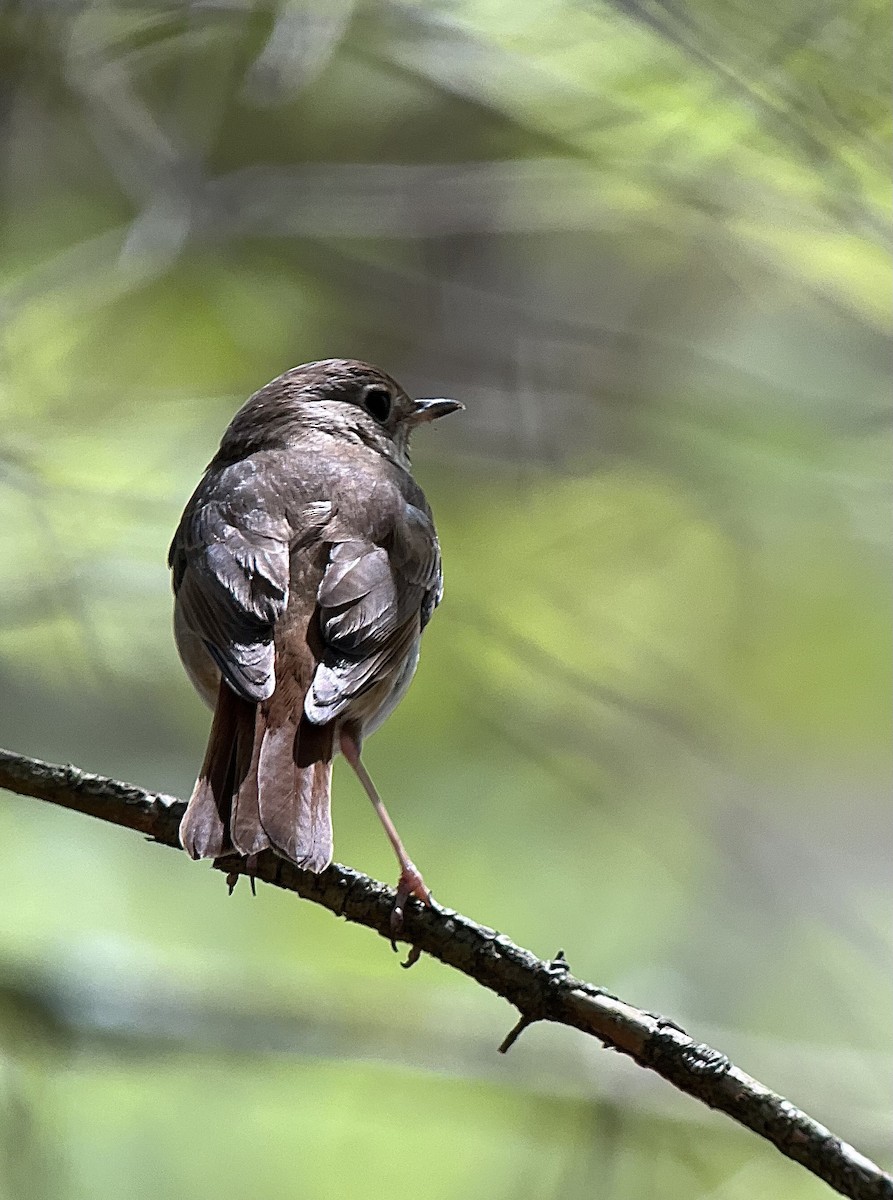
(648, 245)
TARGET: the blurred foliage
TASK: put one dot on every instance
(648, 244)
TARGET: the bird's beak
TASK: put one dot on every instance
(430, 410)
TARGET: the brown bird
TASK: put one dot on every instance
(305, 567)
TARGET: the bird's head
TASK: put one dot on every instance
(338, 396)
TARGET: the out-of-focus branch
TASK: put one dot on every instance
(540, 990)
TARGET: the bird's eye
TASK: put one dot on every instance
(377, 403)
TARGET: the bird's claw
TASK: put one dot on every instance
(410, 883)
(234, 876)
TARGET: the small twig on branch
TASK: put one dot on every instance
(540, 990)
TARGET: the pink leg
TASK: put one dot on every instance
(411, 882)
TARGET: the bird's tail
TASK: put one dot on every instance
(265, 782)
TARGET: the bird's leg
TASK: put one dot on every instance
(411, 882)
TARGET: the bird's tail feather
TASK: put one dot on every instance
(263, 783)
(294, 776)
(204, 830)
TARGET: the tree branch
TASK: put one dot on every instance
(540, 990)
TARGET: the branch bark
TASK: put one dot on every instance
(540, 990)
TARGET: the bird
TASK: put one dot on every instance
(305, 567)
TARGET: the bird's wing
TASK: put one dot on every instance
(230, 564)
(374, 599)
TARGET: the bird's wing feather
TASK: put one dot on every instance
(374, 599)
(230, 563)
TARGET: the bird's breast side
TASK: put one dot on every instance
(380, 705)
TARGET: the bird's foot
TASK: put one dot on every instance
(233, 877)
(410, 883)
